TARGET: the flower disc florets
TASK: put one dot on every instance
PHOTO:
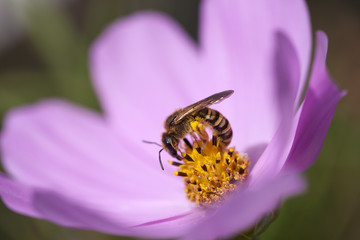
(209, 172)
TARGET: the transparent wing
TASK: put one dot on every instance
(213, 99)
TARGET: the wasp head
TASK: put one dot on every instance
(170, 143)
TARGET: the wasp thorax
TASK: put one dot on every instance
(169, 122)
(210, 172)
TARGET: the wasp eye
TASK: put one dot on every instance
(168, 145)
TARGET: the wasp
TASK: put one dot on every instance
(178, 124)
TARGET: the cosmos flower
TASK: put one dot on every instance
(82, 169)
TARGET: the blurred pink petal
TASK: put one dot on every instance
(72, 150)
(238, 39)
(245, 208)
(143, 68)
(317, 111)
(58, 209)
(287, 73)
(298, 142)
(17, 196)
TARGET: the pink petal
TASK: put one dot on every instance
(298, 142)
(144, 67)
(317, 111)
(17, 196)
(286, 68)
(245, 208)
(58, 146)
(238, 39)
(58, 209)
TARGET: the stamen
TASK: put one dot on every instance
(204, 168)
(210, 172)
(230, 152)
(181, 174)
(198, 149)
(187, 157)
(188, 144)
(175, 163)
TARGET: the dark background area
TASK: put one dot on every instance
(47, 56)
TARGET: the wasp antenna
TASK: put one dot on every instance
(162, 167)
(149, 142)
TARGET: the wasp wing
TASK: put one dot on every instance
(213, 99)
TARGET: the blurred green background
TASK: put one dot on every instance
(43, 53)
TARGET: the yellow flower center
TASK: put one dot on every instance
(210, 172)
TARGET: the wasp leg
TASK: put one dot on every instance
(179, 157)
(202, 134)
(215, 140)
(187, 143)
(196, 139)
(198, 143)
(200, 130)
